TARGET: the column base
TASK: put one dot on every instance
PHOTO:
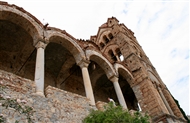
(40, 93)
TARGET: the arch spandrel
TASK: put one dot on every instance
(68, 43)
(102, 62)
(24, 19)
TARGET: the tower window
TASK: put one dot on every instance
(110, 36)
(118, 52)
(102, 45)
(105, 39)
(113, 57)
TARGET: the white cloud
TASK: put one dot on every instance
(161, 28)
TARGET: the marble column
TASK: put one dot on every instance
(118, 92)
(165, 101)
(39, 70)
(87, 83)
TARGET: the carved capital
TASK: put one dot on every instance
(114, 79)
(41, 44)
(83, 63)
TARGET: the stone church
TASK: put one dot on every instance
(48, 65)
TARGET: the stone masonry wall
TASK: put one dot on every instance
(58, 106)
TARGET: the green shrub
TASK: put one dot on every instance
(113, 114)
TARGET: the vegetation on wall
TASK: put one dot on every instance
(17, 105)
(115, 114)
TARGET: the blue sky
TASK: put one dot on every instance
(161, 28)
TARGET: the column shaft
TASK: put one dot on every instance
(39, 70)
(119, 92)
(87, 82)
(118, 59)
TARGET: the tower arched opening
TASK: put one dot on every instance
(106, 40)
(110, 36)
(112, 56)
(102, 45)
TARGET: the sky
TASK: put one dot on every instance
(161, 28)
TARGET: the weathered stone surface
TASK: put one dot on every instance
(58, 105)
(113, 52)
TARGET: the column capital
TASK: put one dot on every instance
(114, 79)
(40, 44)
(83, 63)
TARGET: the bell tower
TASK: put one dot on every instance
(119, 45)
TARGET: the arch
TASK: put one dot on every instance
(24, 19)
(126, 80)
(101, 33)
(123, 70)
(112, 56)
(106, 40)
(110, 36)
(102, 62)
(102, 45)
(68, 43)
(118, 52)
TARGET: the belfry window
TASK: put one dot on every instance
(119, 55)
(110, 36)
(102, 45)
(111, 54)
(105, 39)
